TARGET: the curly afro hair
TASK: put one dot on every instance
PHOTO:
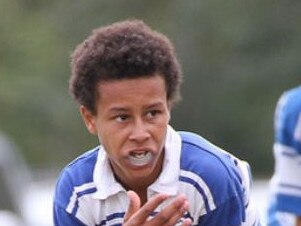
(123, 50)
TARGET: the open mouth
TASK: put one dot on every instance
(141, 158)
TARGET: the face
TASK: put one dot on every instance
(131, 123)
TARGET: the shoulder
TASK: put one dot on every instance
(79, 173)
(199, 155)
(84, 164)
(222, 173)
(291, 93)
(287, 118)
(290, 101)
(81, 169)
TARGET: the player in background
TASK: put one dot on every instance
(285, 204)
(126, 79)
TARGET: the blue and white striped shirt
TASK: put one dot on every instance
(286, 182)
(216, 184)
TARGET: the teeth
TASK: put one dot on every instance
(139, 155)
(140, 159)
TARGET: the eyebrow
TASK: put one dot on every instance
(158, 104)
(118, 109)
(125, 109)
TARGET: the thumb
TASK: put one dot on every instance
(134, 205)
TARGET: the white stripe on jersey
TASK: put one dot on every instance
(288, 190)
(76, 190)
(243, 169)
(203, 185)
(252, 215)
(87, 208)
(287, 173)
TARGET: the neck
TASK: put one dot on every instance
(140, 185)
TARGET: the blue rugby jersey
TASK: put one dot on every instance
(215, 183)
(285, 184)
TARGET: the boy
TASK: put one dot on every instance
(126, 78)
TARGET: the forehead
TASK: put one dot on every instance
(131, 85)
(131, 90)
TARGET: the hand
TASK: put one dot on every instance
(169, 216)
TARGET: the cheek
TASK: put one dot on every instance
(111, 140)
(104, 139)
(161, 134)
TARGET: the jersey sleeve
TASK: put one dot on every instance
(73, 183)
(223, 185)
(286, 181)
(62, 196)
(62, 218)
(226, 214)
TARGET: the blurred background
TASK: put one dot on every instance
(237, 59)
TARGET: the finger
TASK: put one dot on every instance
(152, 204)
(183, 222)
(171, 214)
(134, 205)
(178, 215)
(141, 216)
(187, 222)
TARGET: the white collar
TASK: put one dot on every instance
(167, 181)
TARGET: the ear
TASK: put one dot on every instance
(169, 106)
(89, 119)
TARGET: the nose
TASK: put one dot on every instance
(139, 132)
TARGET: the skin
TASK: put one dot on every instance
(298, 221)
(132, 118)
(169, 216)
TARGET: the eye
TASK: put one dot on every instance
(121, 118)
(153, 113)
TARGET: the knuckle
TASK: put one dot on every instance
(162, 218)
(147, 211)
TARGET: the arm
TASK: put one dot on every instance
(170, 215)
(228, 213)
(62, 218)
